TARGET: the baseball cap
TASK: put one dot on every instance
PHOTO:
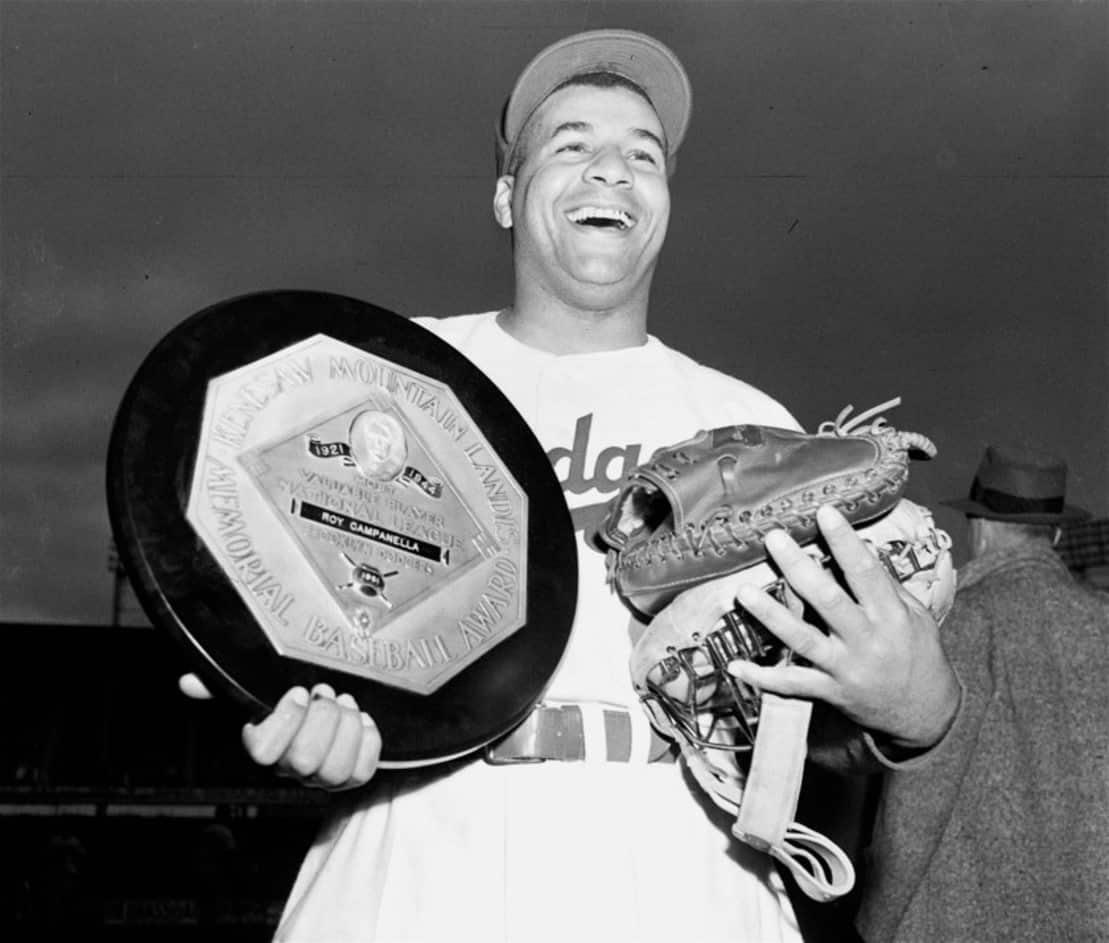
(633, 56)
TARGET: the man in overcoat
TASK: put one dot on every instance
(1002, 833)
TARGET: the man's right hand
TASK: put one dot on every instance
(318, 737)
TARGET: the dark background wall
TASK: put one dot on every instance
(875, 199)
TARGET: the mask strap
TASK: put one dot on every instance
(766, 814)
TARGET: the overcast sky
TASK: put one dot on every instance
(875, 199)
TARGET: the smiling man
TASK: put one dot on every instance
(580, 825)
(588, 204)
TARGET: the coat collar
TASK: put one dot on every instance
(979, 568)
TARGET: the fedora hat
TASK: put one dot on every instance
(1020, 486)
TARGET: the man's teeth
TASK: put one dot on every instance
(600, 215)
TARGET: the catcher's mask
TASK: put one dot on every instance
(689, 689)
(747, 748)
(680, 673)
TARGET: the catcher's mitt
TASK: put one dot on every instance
(700, 509)
(747, 749)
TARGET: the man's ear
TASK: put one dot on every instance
(502, 201)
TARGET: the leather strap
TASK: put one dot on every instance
(766, 812)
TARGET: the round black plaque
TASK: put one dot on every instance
(187, 591)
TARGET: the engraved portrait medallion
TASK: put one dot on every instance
(305, 487)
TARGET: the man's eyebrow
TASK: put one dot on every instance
(571, 126)
(650, 136)
(645, 133)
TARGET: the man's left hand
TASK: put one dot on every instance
(880, 663)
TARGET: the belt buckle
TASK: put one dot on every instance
(507, 751)
(493, 759)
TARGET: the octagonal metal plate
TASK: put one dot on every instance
(361, 514)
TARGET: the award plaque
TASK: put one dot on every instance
(306, 488)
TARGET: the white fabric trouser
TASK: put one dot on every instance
(530, 853)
